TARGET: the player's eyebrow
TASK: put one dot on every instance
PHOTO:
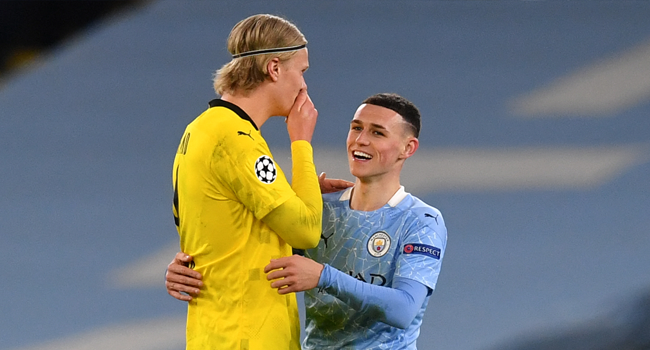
(376, 126)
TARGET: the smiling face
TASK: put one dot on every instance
(378, 143)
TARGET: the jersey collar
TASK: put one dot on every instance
(217, 102)
(393, 201)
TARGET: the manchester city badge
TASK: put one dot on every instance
(378, 244)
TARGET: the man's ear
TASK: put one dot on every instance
(412, 144)
(273, 68)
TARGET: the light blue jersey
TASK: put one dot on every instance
(405, 238)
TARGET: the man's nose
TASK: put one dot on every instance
(362, 138)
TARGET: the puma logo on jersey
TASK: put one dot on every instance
(241, 133)
(427, 215)
(322, 236)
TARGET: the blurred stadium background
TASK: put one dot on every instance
(535, 146)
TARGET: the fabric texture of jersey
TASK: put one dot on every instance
(404, 238)
(225, 182)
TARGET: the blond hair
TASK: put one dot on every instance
(255, 33)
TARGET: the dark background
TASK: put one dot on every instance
(29, 28)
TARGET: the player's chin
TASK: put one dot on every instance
(284, 109)
(357, 170)
(353, 166)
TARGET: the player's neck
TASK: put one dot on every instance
(254, 103)
(372, 195)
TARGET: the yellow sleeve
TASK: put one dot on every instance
(298, 220)
(235, 175)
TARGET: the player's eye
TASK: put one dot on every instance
(378, 133)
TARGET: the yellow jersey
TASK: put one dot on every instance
(225, 182)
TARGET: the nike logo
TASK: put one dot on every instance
(241, 133)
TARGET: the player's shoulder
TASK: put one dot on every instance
(227, 128)
(335, 198)
(424, 214)
(223, 119)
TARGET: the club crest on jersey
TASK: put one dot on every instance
(265, 169)
(378, 244)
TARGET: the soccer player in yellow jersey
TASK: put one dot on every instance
(233, 207)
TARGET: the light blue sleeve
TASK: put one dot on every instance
(396, 306)
(421, 251)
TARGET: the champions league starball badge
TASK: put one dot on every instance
(378, 244)
(265, 169)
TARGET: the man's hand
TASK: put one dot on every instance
(293, 274)
(302, 118)
(332, 185)
(180, 278)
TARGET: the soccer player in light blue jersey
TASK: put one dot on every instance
(369, 281)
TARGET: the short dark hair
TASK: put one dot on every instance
(399, 105)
